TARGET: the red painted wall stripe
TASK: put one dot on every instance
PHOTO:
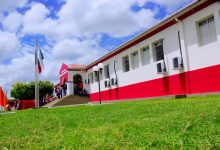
(198, 81)
(25, 104)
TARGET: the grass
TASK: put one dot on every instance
(192, 123)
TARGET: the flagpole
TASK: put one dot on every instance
(36, 77)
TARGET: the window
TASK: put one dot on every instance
(158, 51)
(160, 68)
(145, 55)
(112, 81)
(177, 63)
(206, 31)
(88, 79)
(107, 83)
(135, 60)
(106, 70)
(91, 77)
(126, 65)
(96, 76)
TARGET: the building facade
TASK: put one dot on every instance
(71, 77)
(178, 56)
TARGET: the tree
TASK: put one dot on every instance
(26, 91)
(45, 87)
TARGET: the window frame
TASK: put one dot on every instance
(155, 52)
(147, 62)
(132, 60)
(96, 76)
(91, 77)
(107, 73)
(199, 36)
(125, 69)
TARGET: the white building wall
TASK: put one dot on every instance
(207, 55)
(199, 56)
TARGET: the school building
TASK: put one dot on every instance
(178, 56)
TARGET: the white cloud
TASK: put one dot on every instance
(115, 18)
(35, 20)
(71, 51)
(20, 70)
(77, 51)
(93, 17)
(9, 44)
(10, 5)
(12, 22)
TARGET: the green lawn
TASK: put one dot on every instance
(192, 123)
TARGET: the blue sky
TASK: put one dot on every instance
(69, 31)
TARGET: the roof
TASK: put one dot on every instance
(181, 14)
(76, 66)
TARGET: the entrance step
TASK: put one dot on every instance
(70, 100)
(51, 104)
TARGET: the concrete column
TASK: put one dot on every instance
(130, 61)
(70, 88)
(184, 46)
(139, 57)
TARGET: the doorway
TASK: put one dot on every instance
(77, 84)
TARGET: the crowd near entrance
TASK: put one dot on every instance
(77, 84)
(60, 91)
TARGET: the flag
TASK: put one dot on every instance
(40, 58)
(3, 100)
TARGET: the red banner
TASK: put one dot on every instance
(3, 99)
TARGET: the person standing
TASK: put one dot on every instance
(80, 86)
(61, 92)
(58, 92)
(18, 106)
(64, 89)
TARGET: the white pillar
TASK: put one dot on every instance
(139, 57)
(184, 46)
(130, 62)
(70, 88)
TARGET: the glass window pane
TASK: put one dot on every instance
(126, 65)
(158, 51)
(135, 60)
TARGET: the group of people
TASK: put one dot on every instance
(78, 88)
(48, 98)
(14, 105)
(60, 91)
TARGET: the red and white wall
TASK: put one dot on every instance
(201, 73)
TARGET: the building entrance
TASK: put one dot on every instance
(77, 84)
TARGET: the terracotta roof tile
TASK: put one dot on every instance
(76, 66)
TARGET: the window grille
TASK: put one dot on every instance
(207, 31)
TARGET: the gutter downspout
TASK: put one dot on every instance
(186, 65)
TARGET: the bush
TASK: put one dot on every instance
(26, 91)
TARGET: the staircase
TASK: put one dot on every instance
(69, 100)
